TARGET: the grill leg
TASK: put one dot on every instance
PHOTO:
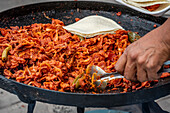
(31, 107)
(152, 107)
(145, 108)
(80, 110)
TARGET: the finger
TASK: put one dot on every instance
(120, 65)
(152, 75)
(159, 71)
(152, 68)
(141, 71)
(130, 70)
(141, 74)
(145, 65)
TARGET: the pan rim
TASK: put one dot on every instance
(70, 93)
(63, 1)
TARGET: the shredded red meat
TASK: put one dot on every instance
(153, 7)
(47, 56)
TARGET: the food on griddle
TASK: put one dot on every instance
(150, 5)
(5, 53)
(48, 56)
(153, 7)
(93, 25)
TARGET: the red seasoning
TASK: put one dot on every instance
(154, 25)
(77, 19)
(71, 13)
(153, 7)
(119, 13)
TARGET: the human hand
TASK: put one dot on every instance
(143, 59)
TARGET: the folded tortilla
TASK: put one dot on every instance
(145, 4)
(143, 0)
(93, 25)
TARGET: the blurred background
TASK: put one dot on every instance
(7, 4)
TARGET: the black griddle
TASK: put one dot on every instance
(67, 11)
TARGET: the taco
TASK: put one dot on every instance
(150, 5)
(93, 25)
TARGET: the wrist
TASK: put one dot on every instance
(165, 35)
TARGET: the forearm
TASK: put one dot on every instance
(165, 31)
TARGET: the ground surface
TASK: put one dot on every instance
(9, 103)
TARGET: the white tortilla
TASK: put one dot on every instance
(145, 4)
(93, 25)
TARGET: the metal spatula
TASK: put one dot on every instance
(105, 77)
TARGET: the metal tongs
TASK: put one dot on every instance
(106, 77)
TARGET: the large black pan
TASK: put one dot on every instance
(67, 12)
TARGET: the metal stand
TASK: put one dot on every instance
(26, 99)
(31, 107)
(80, 109)
(152, 107)
(149, 107)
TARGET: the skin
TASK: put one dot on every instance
(143, 59)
